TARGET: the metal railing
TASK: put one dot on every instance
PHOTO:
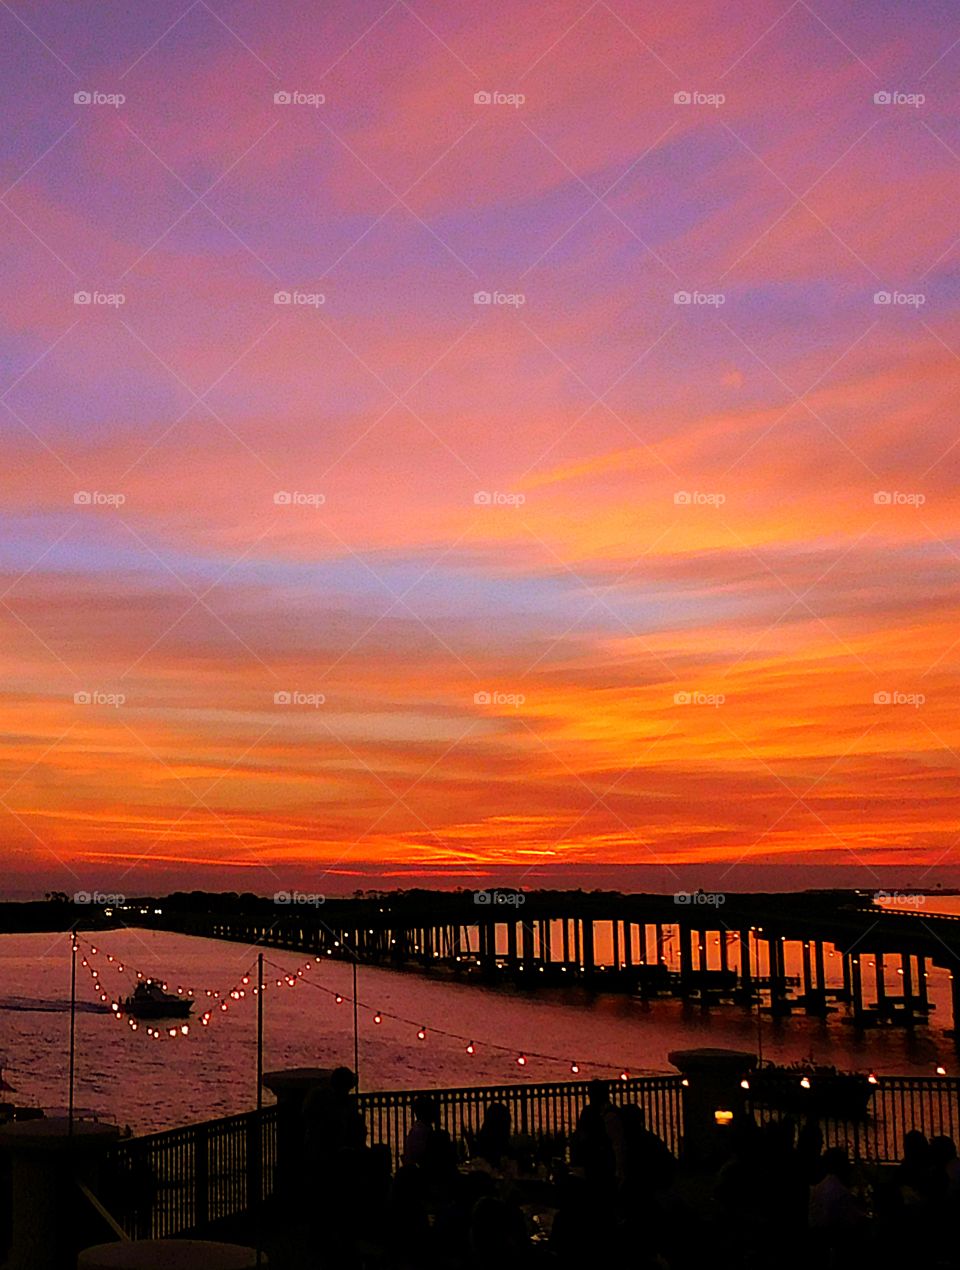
(185, 1179)
(544, 1113)
(930, 1104)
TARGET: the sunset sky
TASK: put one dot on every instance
(709, 585)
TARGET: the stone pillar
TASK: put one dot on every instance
(52, 1220)
(712, 1086)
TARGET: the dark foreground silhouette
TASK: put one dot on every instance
(499, 1201)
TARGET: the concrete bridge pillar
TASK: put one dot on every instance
(881, 983)
(856, 988)
(746, 974)
(906, 964)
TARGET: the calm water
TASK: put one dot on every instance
(152, 1084)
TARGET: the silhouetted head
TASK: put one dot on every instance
(916, 1148)
(598, 1093)
(342, 1080)
(425, 1110)
(943, 1149)
(835, 1161)
(496, 1119)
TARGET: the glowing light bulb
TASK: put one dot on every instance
(422, 1034)
(871, 1079)
(624, 1075)
(744, 1084)
(522, 1060)
(804, 1082)
(470, 1049)
(575, 1068)
(339, 999)
(941, 1071)
(184, 1029)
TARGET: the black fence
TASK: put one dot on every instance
(185, 1179)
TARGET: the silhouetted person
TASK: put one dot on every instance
(332, 1122)
(838, 1223)
(498, 1236)
(648, 1161)
(492, 1143)
(428, 1147)
(598, 1141)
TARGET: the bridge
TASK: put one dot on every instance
(715, 949)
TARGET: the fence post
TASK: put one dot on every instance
(201, 1175)
(254, 1147)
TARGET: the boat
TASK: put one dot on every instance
(150, 1001)
(815, 1088)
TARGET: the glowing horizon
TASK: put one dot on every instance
(592, 455)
